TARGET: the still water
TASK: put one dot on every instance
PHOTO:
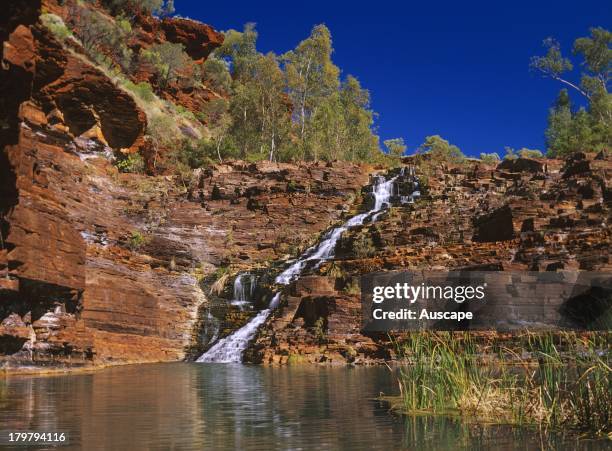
(185, 406)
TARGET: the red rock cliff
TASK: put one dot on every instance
(97, 266)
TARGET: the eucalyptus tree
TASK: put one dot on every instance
(584, 129)
(361, 141)
(274, 111)
(312, 78)
(395, 146)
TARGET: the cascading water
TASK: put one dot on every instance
(231, 348)
(383, 190)
(244, 288)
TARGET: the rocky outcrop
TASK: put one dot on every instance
(199, 39)
(108, 265)
(69, 95)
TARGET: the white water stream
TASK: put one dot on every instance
(244, 288)
(231, 348)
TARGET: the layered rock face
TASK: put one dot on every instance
(524, 215)
(100, 267)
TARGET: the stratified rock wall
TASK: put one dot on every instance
(526, 215)
(101, 267)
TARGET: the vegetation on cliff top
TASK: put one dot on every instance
(286, 107)
(583, 129)
(296, 106)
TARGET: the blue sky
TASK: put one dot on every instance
(457, 69)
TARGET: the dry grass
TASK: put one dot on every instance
(219, 285)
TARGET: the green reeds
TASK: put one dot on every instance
(552, 379)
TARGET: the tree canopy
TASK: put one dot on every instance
(583, 129)
(395, 146)
(291, 106)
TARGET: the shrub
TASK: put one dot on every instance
(194, 154)
(156, 7)
(334, 270)
(441, 151)
(168, 60)
(56, 25)
(319, 330)
(490, 158)
(363, 246)
(143, 90)
(530, 153)
(104, 39)
(216, 74)
(352, 287)
(221, 276)
(132, 163)
(396, 147)
(510, 154)
(136, 240)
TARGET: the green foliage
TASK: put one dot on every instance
(295, 359)
(56, 25)
(559, 131)
(441, 151)
(553, 64)
(352, 287)
(538, 385)
(363, 246)
(162, 128)
(319, 330)
(490, 158)
(530, 153)
(241, 49)
(334, 270)
(143, 90)
(289, 107)
(510, 154)
(195, 154)
(396, 146)
(156, 7)
(582, 130)
(597, 57)
(312, 78)
(359, 143)
(131, 163)
(167, 60)
(587, 129)
(136, 240)
(103, 38)
(215, 74)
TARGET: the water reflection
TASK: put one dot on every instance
(208, 406)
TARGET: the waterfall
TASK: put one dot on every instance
(231, 348)
(244, 288)
(317, 254)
